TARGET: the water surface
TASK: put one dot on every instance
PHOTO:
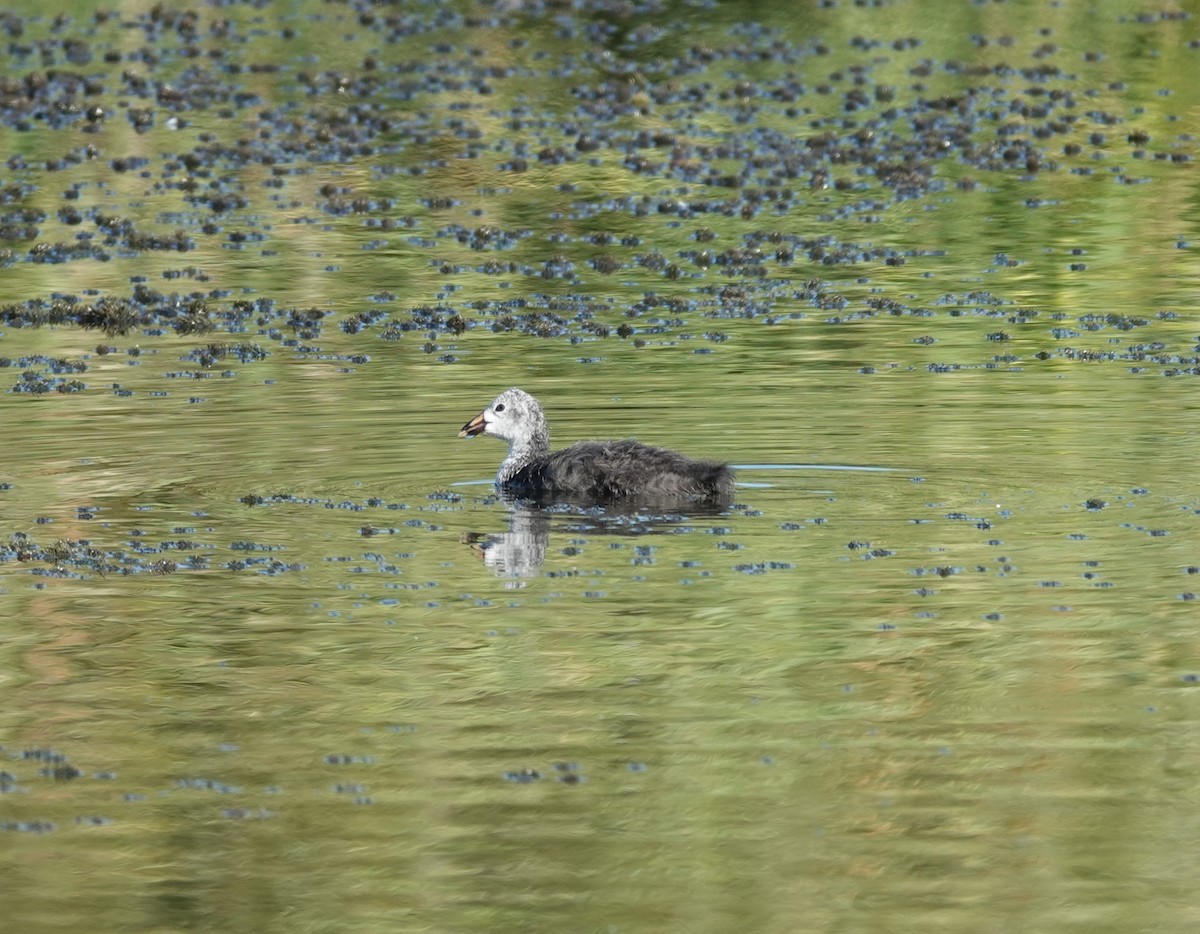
(275, 656)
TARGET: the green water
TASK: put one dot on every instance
(274, 658)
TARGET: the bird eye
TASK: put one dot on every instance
(499, 408)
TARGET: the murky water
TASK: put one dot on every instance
(274, 655)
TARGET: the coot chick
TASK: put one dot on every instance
(592, 470)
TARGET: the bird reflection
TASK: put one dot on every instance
(521, 551)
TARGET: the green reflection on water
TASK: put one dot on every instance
(955, 692)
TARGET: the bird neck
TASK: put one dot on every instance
(524, 450)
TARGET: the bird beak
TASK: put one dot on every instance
(474, 427)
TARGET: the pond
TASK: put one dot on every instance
(276, 656)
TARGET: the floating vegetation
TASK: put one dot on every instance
(211, 354)
(683, 168)
(81, 558)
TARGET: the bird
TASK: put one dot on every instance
(595, 471)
